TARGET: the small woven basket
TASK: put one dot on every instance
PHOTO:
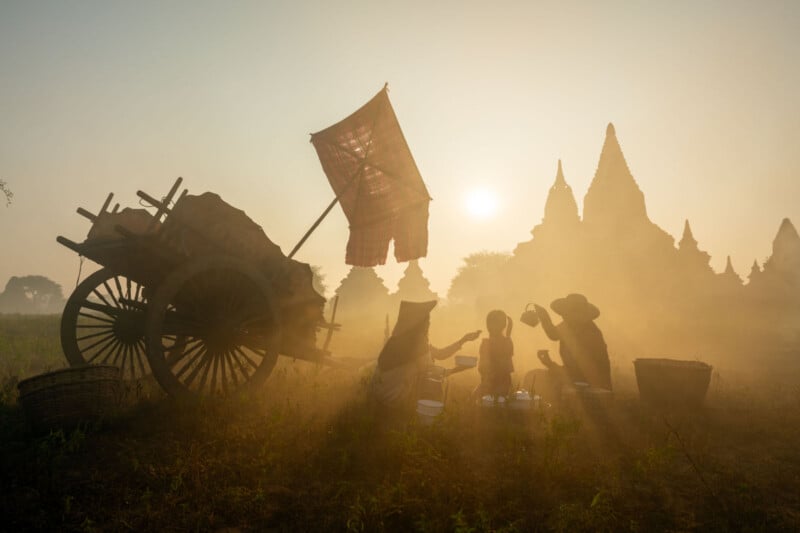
(62, 398)
(671, 383)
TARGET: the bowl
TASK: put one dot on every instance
(521, 400)
(522, 395)
(466, 360)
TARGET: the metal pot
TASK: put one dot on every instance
(529, 317)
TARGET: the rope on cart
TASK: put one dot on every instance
(80, 268)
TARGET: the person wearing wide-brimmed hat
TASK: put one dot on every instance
(582, 348)
(407, 355)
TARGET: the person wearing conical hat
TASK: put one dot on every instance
(582, 348)
(407, 355)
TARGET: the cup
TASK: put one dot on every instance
(544, 357)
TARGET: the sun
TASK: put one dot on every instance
(480, 203)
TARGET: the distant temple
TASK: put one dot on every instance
(367, 311)
(363, 303)
(657, 298)
(414, 286)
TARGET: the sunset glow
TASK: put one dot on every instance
(481, 203)
(399, 266)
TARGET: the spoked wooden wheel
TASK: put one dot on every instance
(103, 323)
(212, 328)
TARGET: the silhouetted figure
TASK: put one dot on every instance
(581, 347)
(495, 365)
(407, 355)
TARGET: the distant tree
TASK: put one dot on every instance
(31, 295)
(319, 280)
(6, 192)
(480, 275)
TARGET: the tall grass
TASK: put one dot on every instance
(311, 453)
(29, 345)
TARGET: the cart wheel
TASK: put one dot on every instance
(212, 327)
(98, 328)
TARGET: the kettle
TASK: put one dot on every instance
(529, 316)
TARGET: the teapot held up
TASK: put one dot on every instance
(529, 316)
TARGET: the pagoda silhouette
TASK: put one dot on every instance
(656, 298)
(413, 286)
(363, 303)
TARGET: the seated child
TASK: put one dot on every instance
(495, 365)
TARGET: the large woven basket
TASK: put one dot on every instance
(62, 398)
(671, 383)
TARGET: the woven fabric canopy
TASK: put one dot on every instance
(371, 170)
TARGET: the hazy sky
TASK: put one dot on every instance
(119, 96)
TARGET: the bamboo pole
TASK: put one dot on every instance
(313, 227)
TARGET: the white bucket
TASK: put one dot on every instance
(428, 410)
(431, 389)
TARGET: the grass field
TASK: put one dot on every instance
(311, 453)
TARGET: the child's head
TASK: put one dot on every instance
(496, 321)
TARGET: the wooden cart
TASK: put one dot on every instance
(201, 323)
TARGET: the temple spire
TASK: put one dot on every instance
(730, 275)
(785, 250)
(614, 198)
(690, 253)
(688, 242)
(755, 271)
(560, 181)
(787, 229)
(787, 236)
(560, 210)
(729, 267)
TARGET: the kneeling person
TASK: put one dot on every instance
(407, 355)
(582, 348)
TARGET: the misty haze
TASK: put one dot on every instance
(419, 267)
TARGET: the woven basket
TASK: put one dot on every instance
(63, 398)
(670, 383)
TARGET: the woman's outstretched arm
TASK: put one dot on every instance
(448, 351)
(547, 323)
